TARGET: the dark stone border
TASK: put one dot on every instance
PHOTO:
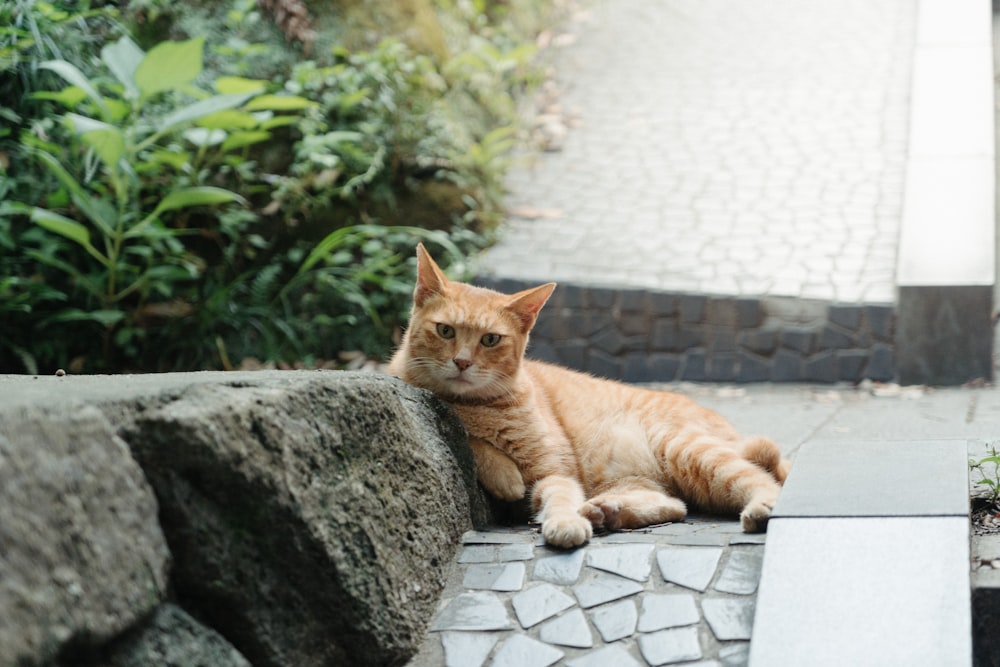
(945, 334)
(640, 335)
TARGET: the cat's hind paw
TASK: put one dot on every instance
(604, 515)
(566, 532)
(755, 516)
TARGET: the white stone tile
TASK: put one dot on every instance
(668, 646)
(563, 569)
(864, 591)
(473, 611)
(539, 603)
(523, 651)
(947, 235)
(615, 621)
(495, 577)
(609, 655)
(603, 588)
(570, 629)
(661, 611)
(950, 23)
(691, 567)
(729, 618)
(633, 561)
(467, 649)
(952, 104)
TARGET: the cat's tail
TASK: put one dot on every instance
(764, 453)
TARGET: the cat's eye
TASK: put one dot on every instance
(490, 339)
(446, 331)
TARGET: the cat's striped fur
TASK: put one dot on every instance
(592, 453)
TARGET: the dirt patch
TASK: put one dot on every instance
(985, 517)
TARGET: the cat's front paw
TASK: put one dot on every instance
(566, 532)
(497, 472)
(505, 484)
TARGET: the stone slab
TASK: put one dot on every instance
(944, 335)
(539, 603)
(692, 568)
(570, 629)
(729, 618)
(604, 588)
(741, 573)
(615, 621)
(467, 649)
(609, 655)
(948, 222)
(952, 109)
(503, 577)
(855, 478)
(632, 561)
(474, 611)
(523, 651)
(668, 646)
(562, 569)
(864, 591)
(949, 23)
(661, 611)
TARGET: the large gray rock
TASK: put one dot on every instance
(82, 556)
(312, 521)
(311, 517)
(172, 638)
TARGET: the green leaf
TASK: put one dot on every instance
(69, 97)
(168, 66)
(106, 140)
(201, 109)
(241, 139)
(201, 137)
(185, 198)
(102, 216)
(71, 229)
(278, 121)
(75, 77)
(229, 119)
(109, 144)
(123, 58)
(279, 103)
(237, 85)
(105, 317)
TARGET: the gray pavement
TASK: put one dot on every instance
(755, 150)
(511, 601)
(746, 149)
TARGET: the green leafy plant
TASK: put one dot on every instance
(989, 478)
(147, 126)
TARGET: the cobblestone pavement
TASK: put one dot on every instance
(737, 148)
(663, 595)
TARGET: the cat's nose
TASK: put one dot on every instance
(461, 363)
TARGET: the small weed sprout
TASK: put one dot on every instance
(989, 479)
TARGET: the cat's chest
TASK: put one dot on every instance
(502, 427)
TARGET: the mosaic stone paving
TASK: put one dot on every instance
(664, 595)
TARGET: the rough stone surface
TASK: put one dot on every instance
(82, 557)
(311, 523)
(173, 639)
(311, 517)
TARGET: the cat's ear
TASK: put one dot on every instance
(430, 279)
(526, 304)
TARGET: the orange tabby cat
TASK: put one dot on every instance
(594, 453)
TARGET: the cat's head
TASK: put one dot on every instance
(465, 343)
